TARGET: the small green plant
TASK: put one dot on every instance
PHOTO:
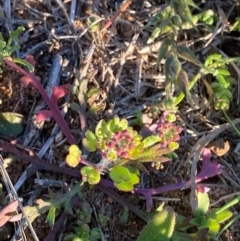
(103, 219)
(83, 232)
(123, 151)
(7, 48)
(222, 84)
(178, 16)
(204, 224)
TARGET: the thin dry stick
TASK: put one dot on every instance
(123, 7)
(99, 226)
(196, 152)
(14, 193)
(83, 82)
(231, 195)
(123, 58)
(61, 5)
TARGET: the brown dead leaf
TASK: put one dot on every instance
(219, 147)
(7, 212)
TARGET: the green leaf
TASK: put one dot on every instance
(215, 56)
(119, 173)
(32, 212)
(123, 179)
(229, 204)
(212, 225)
(10, 49)
(128, 186)
(198, 221)
(2, 43)
(199, 235)
(89, 146)
(151, 140)
(124, 216)
(11, 124)
(102, 130)
(220, 217)
(90, 141)
(203, 204)
(159, 16)
(176, 21)
(95, 234)
(175, 68)
(187, 54)
(160, 228)
(185, 13)
(123, 125)
(173, 146)
(114, 123)
(90, 175)
(191, 3)
(223, 72)
(164, 49)
(24, 63)
(166, 27)
(154, 154)
(51, 216)
(155, 34)
(222, 80)
(183, 84)
(169, 80)
(15, 34)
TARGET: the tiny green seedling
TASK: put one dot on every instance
(83, 232)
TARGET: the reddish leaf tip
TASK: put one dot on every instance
(43, 115)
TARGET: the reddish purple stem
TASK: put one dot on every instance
(52, 104)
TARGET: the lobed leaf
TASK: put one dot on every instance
(123, 179)
(92, 140)
(90, 175)
(72, 160)
(74, 156)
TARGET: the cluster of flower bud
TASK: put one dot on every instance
(169, 132)
(119, 145)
